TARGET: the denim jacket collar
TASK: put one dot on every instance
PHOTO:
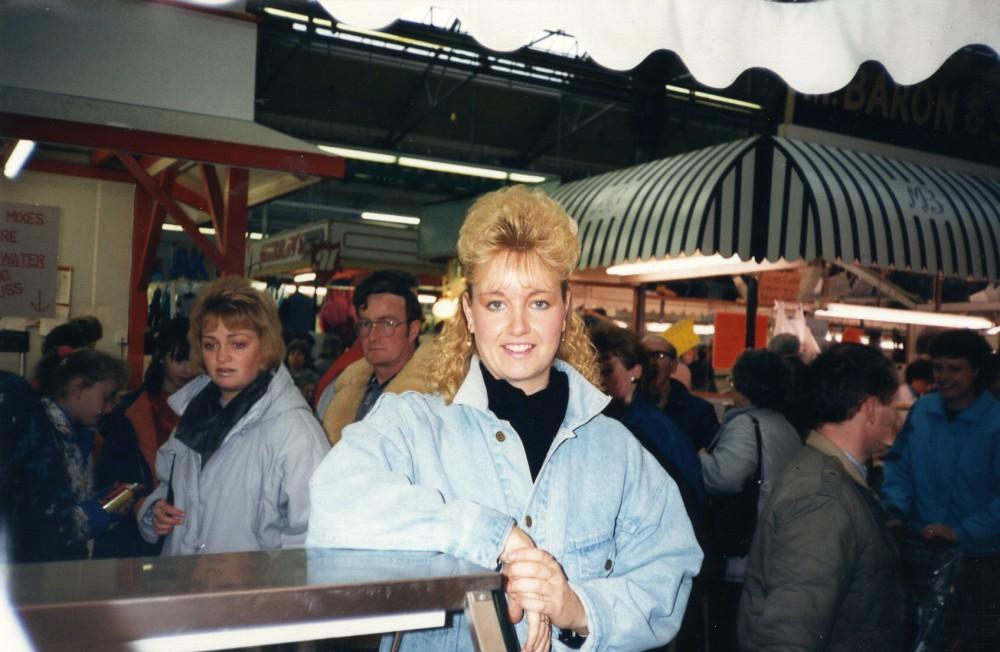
(585, 400)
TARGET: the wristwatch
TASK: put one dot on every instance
(571, 639)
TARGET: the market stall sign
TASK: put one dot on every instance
(29, 253)
(730, 337)
(778, 286)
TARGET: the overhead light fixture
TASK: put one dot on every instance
(432, 164)
(18, 157)
(713, 98)
(453, 168)
(258, 285)
(697, 266)
(305, 277)
(427, 298)
(386, 36)
(207, 230)
(386, 217)
(520, 177)
(660, 327)
(359, 154)
(896, 316)
(281, 13)
(445, 308)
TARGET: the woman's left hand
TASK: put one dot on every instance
(537, 582)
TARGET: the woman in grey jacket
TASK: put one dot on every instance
(761, 385)
(234, 474)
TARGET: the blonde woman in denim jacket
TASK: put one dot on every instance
(512, 460)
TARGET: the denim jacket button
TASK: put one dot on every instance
(501, 436)
(527, 521)
(608, 564)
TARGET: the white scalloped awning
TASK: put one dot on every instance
(816, 47)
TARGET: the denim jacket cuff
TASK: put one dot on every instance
(594, 628)
(483, 542)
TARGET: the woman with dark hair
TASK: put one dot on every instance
(139, 425)
(761, 383)
(55, 509)
(234, 475)
(623, 363)
(942, 475)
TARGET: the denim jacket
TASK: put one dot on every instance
(419, 474)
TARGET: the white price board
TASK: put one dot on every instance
(29, 251)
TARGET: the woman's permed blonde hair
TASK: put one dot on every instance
(523, 222)
(234, 300)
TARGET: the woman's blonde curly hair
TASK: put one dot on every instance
(514, 221)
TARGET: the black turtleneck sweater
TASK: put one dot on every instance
(535, 418)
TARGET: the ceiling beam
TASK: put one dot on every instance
(883, 285)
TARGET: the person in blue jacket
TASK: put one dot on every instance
(942, 475)
(54, 509)
(512, 461)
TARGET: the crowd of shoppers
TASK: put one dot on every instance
(567, 454)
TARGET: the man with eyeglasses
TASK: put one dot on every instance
(389, 318)
(693, 415)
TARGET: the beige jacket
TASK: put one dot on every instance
(349, 388)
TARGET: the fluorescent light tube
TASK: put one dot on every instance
(519, 177)
(386, 217)
(453, 168)
(18, 157)
(386, 36)
(305, 277)
(696, 266)
(286, 14)
(727, 100)
(895, 316)
(699, 329)
(360, 154)
(427, 298)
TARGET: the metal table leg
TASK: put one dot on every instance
(486, 613)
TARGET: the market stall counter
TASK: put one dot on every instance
(210, 602)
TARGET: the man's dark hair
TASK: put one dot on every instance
(963, 343)
(762, 377)
(919, 370)
(843, 377)
(390, 282)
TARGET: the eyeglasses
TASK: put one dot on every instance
(379, 326)
(661, 355)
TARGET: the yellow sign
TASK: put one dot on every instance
(682, 336)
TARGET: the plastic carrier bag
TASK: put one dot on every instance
(796, 325)
(930, 575)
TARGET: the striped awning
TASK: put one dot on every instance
(771, 198)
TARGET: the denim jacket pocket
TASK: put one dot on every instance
(590, 558)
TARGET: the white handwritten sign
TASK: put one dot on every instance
(29, 249)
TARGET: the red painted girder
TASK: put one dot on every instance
(213, 192)
(173, 209)
(93, 136)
